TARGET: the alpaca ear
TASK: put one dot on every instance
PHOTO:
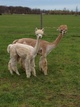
(36, 29)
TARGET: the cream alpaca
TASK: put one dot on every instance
(45, 47)
(26, 53)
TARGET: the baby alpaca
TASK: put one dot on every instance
(27, 54)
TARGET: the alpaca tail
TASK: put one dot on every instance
(15, 41)
(8, 48)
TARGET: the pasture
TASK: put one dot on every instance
(61, 87)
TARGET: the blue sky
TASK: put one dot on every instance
(44, 4)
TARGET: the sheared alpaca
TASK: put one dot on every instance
(45, 47)
(26, 53)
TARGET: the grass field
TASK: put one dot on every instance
(61, 88)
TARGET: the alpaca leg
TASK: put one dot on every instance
(27, 68)
(43, 65)
(33, 67)
(13, 64)
(21, 62)
(44, 68)
(10, 68)
(15, 67)
(17, 72)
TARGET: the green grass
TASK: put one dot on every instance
(61, 88)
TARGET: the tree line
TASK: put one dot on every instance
(27, 10)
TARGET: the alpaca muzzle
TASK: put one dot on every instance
(40, 36)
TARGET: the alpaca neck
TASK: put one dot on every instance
(37, 45)
(56, 42)
(52, 45)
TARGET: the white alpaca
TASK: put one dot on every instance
(45, 46)
(26, 53)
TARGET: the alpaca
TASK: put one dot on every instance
(27, 54)
(45, 47)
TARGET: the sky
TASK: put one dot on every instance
(44, 4)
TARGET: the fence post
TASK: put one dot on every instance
(41, 20)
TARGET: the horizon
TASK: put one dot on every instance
(44, 9)
(44, 4)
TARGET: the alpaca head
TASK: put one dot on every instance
(39, 32)
(62, 29)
